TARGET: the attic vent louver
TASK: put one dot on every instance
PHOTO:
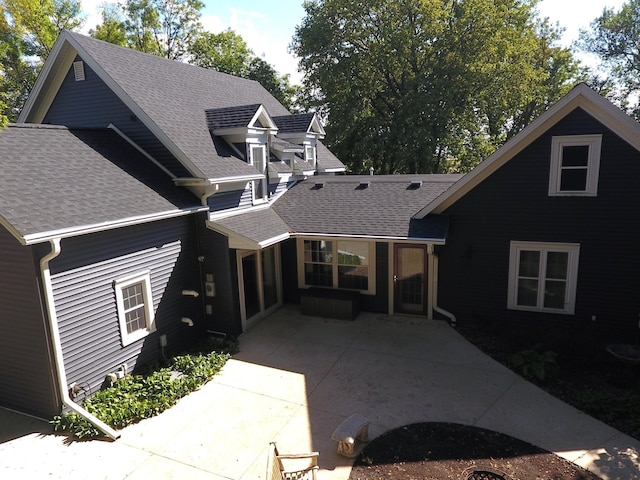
(78, 70)
(318, 185)
(363, 185)
(415, 184)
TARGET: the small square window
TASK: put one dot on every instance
(575, 165)
(134, 303)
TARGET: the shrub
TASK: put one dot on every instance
(137, 397)
(535, 365)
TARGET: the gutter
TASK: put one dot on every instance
(442, 311)
(57, 346)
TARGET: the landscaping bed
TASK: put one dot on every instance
(435, 451)
(574, 367)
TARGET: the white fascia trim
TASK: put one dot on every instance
(262, 113)
(234, 212)
(57, 77)
(12, 230)
(99, 227)
(332, 170)
(315, 122)
(581, 96)
(435, 241)
(205, 182)
(239, 241)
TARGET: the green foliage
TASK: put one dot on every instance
(427, 86)
(536, 365)
(614, 36)
(227, 52)
(161, 27)
(137, 397)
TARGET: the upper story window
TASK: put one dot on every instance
(575, 165)
(135, 307)
(310, 155)
(344, 264)
(259, 161)
(543, 277)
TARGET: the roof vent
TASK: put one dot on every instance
(78, 70)
(363, 185)
(317, 186)
(415, 184)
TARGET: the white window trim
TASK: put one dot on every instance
(573, 249)
(263, 181)
(372, 264)
(594, 142)
(310, 155)
(119, 285)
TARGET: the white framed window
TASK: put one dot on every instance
(135, 307)
(259, 161)
(344, 264)
(310, 155)
(575, 165)
(543, 277)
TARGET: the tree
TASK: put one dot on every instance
(227, 52)
(425, 85)
(614, 36)
(28, 31)
(161, 27)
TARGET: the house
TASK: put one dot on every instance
(147, 203)
(542, 233)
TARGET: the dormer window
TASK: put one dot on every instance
(259, 162)
(310, 155)
(575, 165)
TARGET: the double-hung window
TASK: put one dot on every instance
(575, 165)
(135, 307)
(343, 264)
(543, 277)
(310, 155)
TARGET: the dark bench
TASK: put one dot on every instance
(330, 303)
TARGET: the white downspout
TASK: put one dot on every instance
(442, 311)
(57, 346)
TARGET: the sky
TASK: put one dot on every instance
(268, 26)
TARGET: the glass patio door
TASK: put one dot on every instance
(259, 283)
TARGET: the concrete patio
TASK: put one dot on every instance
(295, 379)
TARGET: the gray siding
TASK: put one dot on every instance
(27, 381)
(513, 204)
(83, 277)
(228, 200)
(91, 104)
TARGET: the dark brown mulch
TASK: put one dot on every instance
(450, 451)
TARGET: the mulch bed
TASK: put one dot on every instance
(452, 451)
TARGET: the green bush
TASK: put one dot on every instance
(535, 365)
(137, 397)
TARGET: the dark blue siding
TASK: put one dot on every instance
(513, 204)
(27, 381)
(83, 277)
(228, 200)
(91, 104)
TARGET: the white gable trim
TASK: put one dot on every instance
(581, 96)
(59, 71)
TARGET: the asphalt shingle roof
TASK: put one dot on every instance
(230, 117)
(383, 209)
(298, 123)
(176, 95)
(54, 178)
(257, 226)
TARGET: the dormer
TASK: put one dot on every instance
(247, 130)
(302, 129)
